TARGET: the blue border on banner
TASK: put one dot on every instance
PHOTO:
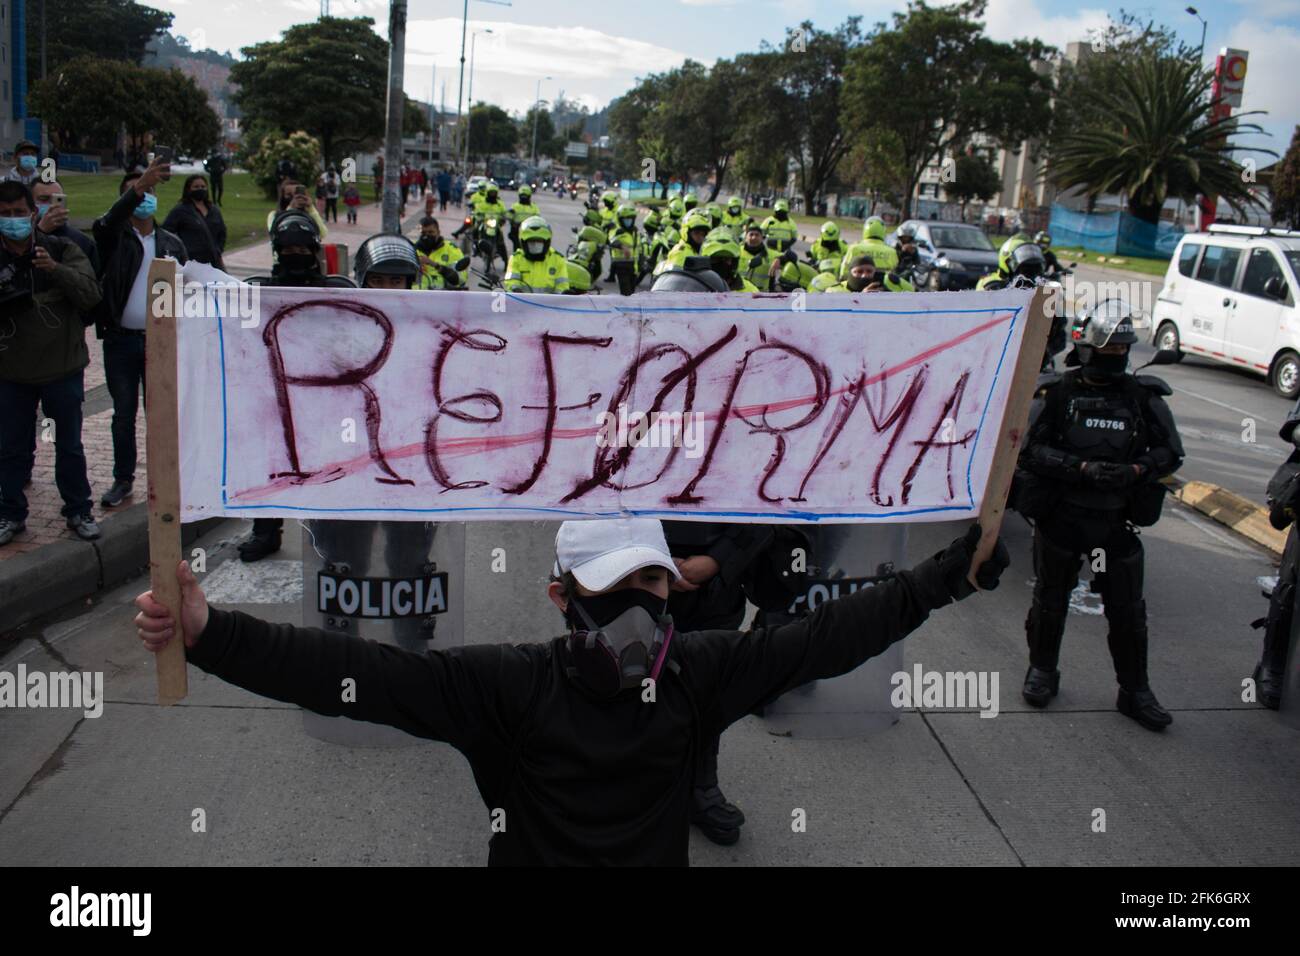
(810, 516)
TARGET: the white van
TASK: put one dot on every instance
(1230, 296)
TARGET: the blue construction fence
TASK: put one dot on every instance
(1114, 233)
(641, 189)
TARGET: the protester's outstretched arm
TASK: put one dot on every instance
(735, 672)
(467, 696)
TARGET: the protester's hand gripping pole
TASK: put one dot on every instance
(1015, 419)
(162, 449)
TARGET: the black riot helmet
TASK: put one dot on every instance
(295, 230)
(390, 255)
(696, 275)
(1111, 322)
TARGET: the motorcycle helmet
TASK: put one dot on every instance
(526, 195)
(676, 207)
(694, 276)
(591, 217)
(491, 193)
(535, 238)
(388, 255)
(695, 219)
(715, 214)
(907, 233)
(830, 232)
(735, 206)
(690, 201)
(1043, 239)
(723, 253)
(781, 206)
(795, 275)
(652, 222)
(893, 282)
(610, 201)
(626, 216)
(873, 228)
(1021, 258)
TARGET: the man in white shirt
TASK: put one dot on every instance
(129, 239)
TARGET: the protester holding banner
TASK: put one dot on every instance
(581, 745)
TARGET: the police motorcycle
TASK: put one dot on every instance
(490, 239)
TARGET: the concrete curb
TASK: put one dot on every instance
(65, 571)
(1231, 510)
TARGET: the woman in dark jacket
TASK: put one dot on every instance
(198, 223)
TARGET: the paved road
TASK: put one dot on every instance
(938, 787)
(1218, 408)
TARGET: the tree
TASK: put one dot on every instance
(328, 77)
(1152, 139)
(300, 148)
(974, 177)
(796, 91)
(936, 81)
(491, 130)
(1285, 185)
(874, 164)
(549, 142)
(415, 117)
(88, 99)
(105, 29)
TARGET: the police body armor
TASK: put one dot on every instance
(1101, 424)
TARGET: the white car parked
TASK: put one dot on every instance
(1230, 296)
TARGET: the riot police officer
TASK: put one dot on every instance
(1284, 490)
(1099, 440)
(297, 247)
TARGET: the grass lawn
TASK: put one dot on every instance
(244, 207)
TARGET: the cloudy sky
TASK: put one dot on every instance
(592, 52)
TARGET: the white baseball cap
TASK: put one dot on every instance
(601, 552)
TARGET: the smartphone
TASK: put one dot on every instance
(163, 154)
(58, 199)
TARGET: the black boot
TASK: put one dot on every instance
(264, 541)
(1268, 685)
(1040, 686)
(1143, 707)
(717, 819)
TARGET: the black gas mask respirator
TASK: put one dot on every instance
(1102, 366)
(619, 639)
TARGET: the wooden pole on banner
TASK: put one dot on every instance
(1015, 418)
(162, 450)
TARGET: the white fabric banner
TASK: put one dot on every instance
(337, 403)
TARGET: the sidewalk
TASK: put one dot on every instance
(48, 566)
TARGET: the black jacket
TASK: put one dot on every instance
(120, 255)
(580, 780)
(1049, 454)
(201, 244)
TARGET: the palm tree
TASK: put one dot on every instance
(1152, 138)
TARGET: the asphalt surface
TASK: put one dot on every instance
(938, 787)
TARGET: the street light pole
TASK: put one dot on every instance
(1201, 51)
(393, 133)
(537, 103)
(460, 87)
(469, 105)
